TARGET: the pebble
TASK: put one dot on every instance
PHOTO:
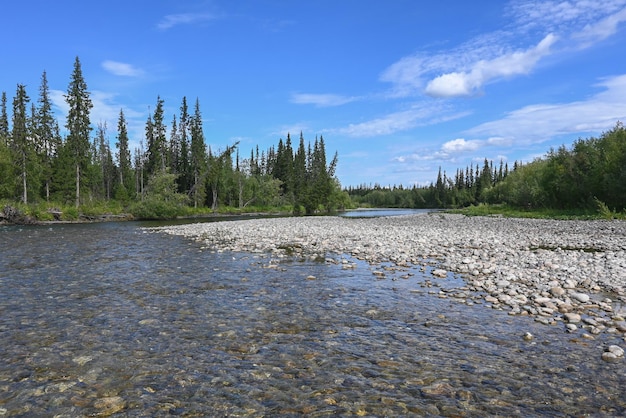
(572, 318)
(580, 297)
(613, 353)
(536, 267)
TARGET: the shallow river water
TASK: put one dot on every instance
(109, 320)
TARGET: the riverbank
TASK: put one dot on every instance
(568, 273)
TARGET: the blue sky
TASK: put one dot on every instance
(398, 88)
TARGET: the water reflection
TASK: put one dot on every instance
(108, 320)
(379, 212)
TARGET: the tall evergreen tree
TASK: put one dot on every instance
(198, 161)
(184, 167)
(104, 167)
(157, 141)
(123, 156)
(300, 184)
(21, 139)
(4, 120)
(173, 153)
(47, 132)
(217, 168)
(78, 125)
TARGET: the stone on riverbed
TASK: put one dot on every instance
(572, 318)
(613, 353)
(534, 267)
(580, 297)
(442, 274)
(109, 405)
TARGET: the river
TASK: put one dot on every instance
(108, 320)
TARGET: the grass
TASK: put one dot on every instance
(540, 213)
(45, 211)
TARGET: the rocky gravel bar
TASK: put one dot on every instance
(561, 272)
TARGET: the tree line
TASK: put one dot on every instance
(468, 186)
(589, 175)
(172, 168)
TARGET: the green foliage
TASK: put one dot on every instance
(505, 210)
(7, 177)
(162, 199)
(78, 126)
(157, 182)
(587, 180)
(603, 209)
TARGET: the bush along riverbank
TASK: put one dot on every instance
(563, 273)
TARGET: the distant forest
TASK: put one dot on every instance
(171, 170)
(589, 175)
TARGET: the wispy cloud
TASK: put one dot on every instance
(603, 29)
(418, 115)
(561, 16)
(390, 123)
(122, 69)
(534, 124)
(106, 109)
(170, 21)
(461, 145)
(505, 53)
(321, 100)
(467, 83)
(293, 130)
(541, 122)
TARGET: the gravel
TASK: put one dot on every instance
(566, 271)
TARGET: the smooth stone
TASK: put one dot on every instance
(617, 350)
(572, 317)
(110, 405)
(440, 273)
(580, 297)
(557, 291)
(610, 357)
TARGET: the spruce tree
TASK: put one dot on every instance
(174, 147)
(21, 140)
(300, 184)
(4, 120)
(78, 125)
(123, 157)
(103, 164)
(157, 140)
(183, 167)
(46, 128)
(198, 161)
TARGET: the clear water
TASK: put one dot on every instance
(378, 212)
(107, 320)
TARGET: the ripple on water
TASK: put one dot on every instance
(102, 319)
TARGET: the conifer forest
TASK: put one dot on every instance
(172, 172)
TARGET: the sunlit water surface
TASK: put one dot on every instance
(106, 319)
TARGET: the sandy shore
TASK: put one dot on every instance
(569, 272)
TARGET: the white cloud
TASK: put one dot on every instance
(419, 115)
(561, 15)
(293, 130)
(105, 110)
(598, 31)
(121, 69)
(465, 69)
(170, 21)
(457, 84)
(541, 122)
(321, 100)
(461, 145)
